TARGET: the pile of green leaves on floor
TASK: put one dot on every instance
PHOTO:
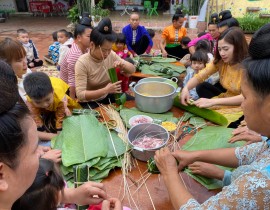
(211, 137)
(126, 114)
(87, 144)
(166, 70)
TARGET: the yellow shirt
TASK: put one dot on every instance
(169, 34)
(229, 77)
(59, 95)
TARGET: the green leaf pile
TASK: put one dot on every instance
(87, 143)
(155, 68)
(211, 137)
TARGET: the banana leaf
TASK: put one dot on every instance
(80, 174)
(154, 69)
(83, 138)
(197, 122)
(207, 114)
(186, 116)
(163, 60)
(211, 137)
(126, 114)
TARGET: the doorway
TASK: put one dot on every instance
(22, 5)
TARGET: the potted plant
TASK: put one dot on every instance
(194, 10)
(97, 12)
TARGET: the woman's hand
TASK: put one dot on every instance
(111, 204)
(119, 64)
(164, 54)
(184, 158)
(88, 193)
(54, 155)
(165, 162)
(114, 87)
(204, 102)
(244, 134)
(184, 96)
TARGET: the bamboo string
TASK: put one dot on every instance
(146, 187)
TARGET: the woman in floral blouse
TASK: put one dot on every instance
(250, 184)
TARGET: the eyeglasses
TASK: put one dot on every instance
(105, 50)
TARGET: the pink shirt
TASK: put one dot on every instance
(194, 41)
(67, 68)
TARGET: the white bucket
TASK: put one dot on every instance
(192, 21)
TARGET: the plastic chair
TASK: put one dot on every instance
(147, 6)
(154, 9)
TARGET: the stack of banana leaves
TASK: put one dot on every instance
(159, 66)
(89, 149)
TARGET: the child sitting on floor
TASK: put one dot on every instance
(31, 51)
(120, 47)
(65, 40)
(53, 52)
(47, 101)
(198, 62)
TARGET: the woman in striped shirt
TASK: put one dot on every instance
(78, 48)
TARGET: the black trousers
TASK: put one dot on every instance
(39, 63)
(177, 51)
(141, 46)
(109, 99)
(207, 90)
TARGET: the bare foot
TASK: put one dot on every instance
(207, 170)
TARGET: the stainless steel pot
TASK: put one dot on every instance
(154, 97)
(173, 81)
(148, 129)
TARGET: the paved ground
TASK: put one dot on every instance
(40, 28)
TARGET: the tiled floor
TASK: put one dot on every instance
(40, 28)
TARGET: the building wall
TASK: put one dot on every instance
(8, 5)
(238, 7)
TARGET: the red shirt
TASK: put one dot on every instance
(125, 80)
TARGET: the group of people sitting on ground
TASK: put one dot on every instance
(83, 61)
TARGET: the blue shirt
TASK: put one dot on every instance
(54, 51)
(128, 32)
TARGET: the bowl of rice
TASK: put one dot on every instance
(146, 138)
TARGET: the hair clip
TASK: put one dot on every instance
(47, 173)
(214, 20)
(220, 17)
(106, 28)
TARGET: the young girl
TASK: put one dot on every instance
(48, 191)
(65, 40)
(120, 47)
(198, 62)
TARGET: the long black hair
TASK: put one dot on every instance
(257, 66)
(103, 32)
(234, 36)
(85, 23)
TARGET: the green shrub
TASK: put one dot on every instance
(251, 22)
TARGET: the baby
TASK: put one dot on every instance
(31, 51)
